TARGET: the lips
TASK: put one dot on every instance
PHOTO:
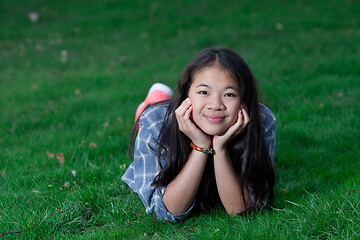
(215, 119)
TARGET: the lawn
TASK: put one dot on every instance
(72, 74)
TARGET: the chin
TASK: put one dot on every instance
(214, 132)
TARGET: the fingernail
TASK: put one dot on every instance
(187, 100)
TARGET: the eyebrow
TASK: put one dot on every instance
(205, 85)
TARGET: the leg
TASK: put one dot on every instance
(157, 93)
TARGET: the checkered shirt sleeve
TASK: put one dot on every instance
(268, 129)
(145, 167)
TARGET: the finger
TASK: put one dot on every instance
(186, 117)
(188, 127)
(239, 120)
(188, 113)
(240, 116)
(238, 127)
(181, 110)
(183, 117)
(187, 120)
(185, 110)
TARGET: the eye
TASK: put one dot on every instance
(230, 95)
(203, 92)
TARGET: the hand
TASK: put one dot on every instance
(220, 141)
(187, 126)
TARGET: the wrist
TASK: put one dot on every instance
(220, 150)
(219, 147)
(202, 144)
(221, 156)
(205, 150)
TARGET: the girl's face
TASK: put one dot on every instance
(215, 98)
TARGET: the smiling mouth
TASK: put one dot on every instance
(214, 119)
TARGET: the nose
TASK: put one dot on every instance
(216, 103)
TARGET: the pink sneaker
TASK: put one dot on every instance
(157, 93)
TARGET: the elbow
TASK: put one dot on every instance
(236, 209)
(233, 212)
(174, 208)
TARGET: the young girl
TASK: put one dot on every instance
(213, 144)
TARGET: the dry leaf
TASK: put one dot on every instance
(64, 55)
(39, 48)
(119, 120)
(34, 16)
(153, 6)
(283, 190)
(77, 92)
(92, 145)
(123, 58)
(279, 26)
(106, 124)
(34, 87)
(123, 166)
(180, 32)
(66, 184)
(61, 158)
(49, 154)
(82, 143)
(144, 35)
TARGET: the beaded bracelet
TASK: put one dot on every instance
(203, 150)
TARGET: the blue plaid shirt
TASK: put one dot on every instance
(145, 167)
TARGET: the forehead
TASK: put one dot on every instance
(214, 76)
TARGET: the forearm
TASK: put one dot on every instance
(180, 193)
(228, 184)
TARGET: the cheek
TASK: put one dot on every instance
(233, 121)
(194, 112)
(235, 113)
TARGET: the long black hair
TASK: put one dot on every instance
(248, 153)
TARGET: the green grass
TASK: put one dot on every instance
(306, 54)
